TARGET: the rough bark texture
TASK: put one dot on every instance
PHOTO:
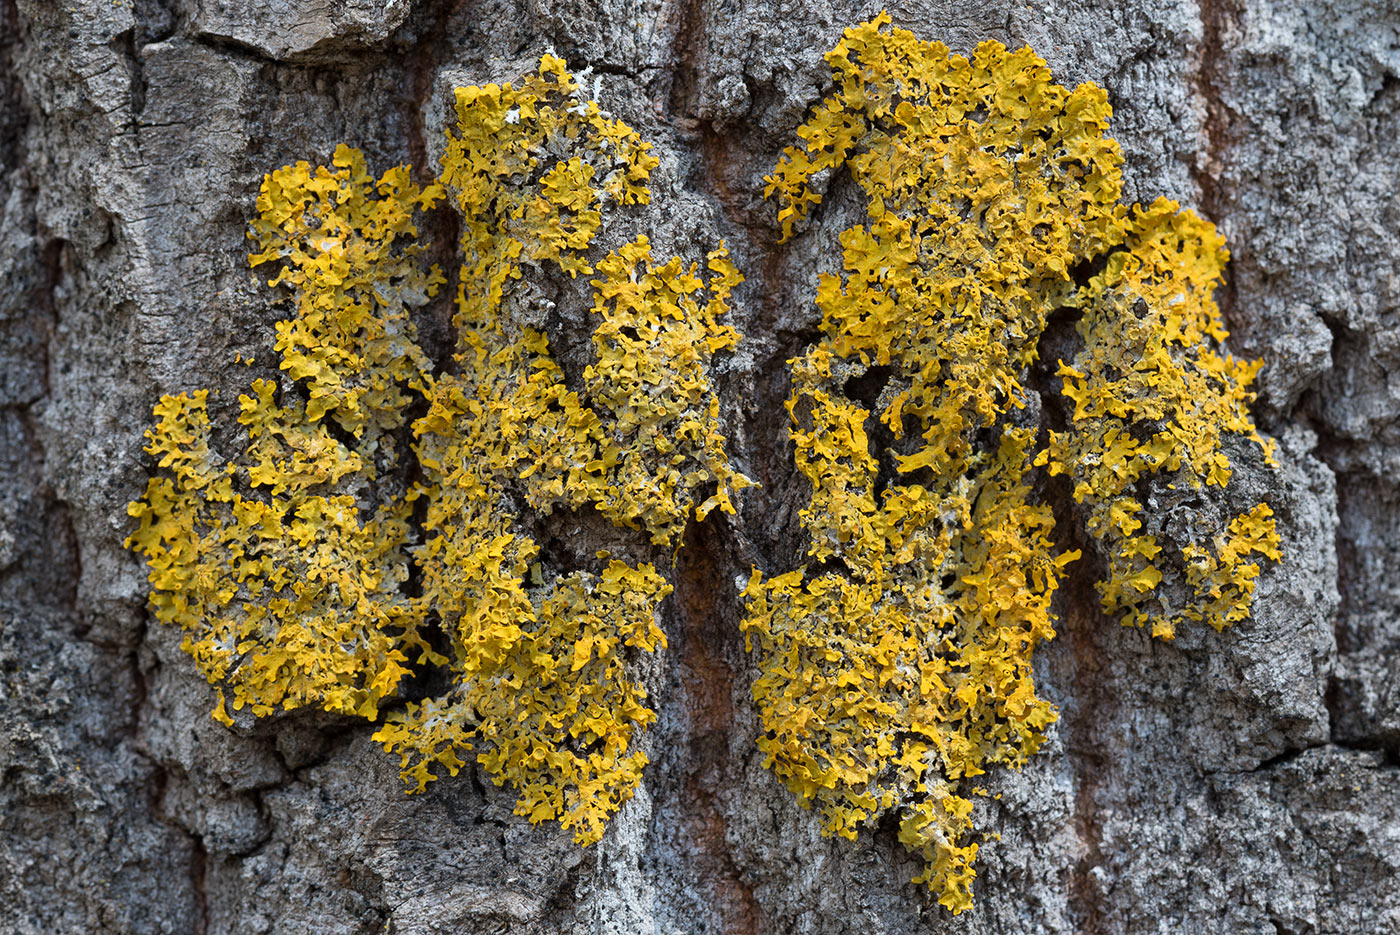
(1243, 782)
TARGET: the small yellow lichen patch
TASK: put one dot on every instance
(901, 664)
(1224, 582)
(1153, 398)
(352, 260)
(653, 345)
(284, 562)
(531, 168)
(549, 695)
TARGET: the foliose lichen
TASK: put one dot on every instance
(893, 667)
(896, 664)
(539, 668)
(286, 564)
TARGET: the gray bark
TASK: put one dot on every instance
(1240, 782)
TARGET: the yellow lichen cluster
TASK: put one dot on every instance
(287, 566)
(541, 687)
(640, 436)
(352, 261)
(899, 663)
(534, 171)
(284, 564)
(896, 664)
(1153, 397)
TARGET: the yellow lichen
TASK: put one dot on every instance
(352, 261)
(1153, 399)
(899, 664)
(546, 689)
(284, 562)
(642, 435)
(534, 171)
(896, 665)
(287, 564)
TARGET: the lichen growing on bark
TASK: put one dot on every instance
(283, 562)
(286, 563)
(536, 172)
(897, 663)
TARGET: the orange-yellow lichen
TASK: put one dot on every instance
(283, 563)
(1154, 399)
(900, 663)
(892, 668)
(534, 171)
(287, 564)
(547, 693)
(641, 435)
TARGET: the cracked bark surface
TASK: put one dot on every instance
(1242, 782)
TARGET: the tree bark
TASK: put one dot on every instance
(1247, 781)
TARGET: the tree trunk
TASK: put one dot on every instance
(1242, 781)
